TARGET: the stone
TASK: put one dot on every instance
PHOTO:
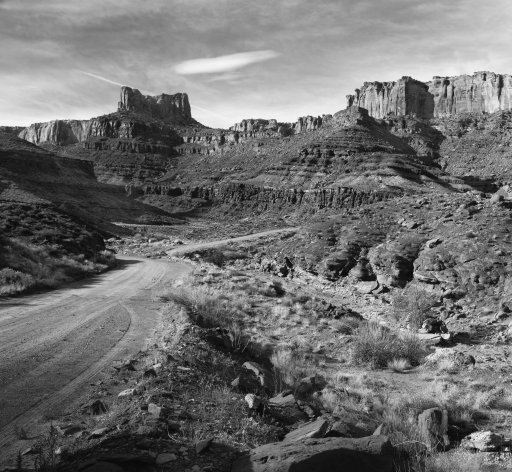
(155, 410)
(202, 446)
(367, 287)
(370, 454)
(433, 428)
(433, 326)
(97, 433)
(127, 393)
(431, 243)
(165, 458)
(97, 407)
(263, 375)
(253, 401)
(247, 382)
(309, 385)
(284, 407)
(313, 429)
(349, 428)
(103, 466)
(483, 441)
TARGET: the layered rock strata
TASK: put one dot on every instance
(482, 92)
(404, 97)
(175, 108)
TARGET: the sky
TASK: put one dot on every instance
(236, 59)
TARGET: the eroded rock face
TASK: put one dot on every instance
(485, 92)
(406, 96)
(482, 92)
(59, 132)
(374, 453)
(165, 107)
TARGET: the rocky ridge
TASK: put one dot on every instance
(482, 92)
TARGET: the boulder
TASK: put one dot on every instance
(253, 401)
(313, 429)
(264, 376)
(369, 454)
(284, 407)
(483, 441)
(97, 407)
(309, 385)
(433, 428)
(433, 326)
(367, 287)
(247, 382)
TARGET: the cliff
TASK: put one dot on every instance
(138, 116)
(406, 96)
(175, 108)
(482, 92)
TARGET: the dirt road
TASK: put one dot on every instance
(53, 345)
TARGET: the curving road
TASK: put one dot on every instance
(53, 345)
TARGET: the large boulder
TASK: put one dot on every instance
(370, 454)
(483, 441)
(284, 407)
(313, 429)
(433, 427)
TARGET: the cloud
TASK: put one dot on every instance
(215, 65)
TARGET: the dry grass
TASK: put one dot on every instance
(376, 346)
(457, 460)
(399, 365)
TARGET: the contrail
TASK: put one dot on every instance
(210, 112)
(99, 77)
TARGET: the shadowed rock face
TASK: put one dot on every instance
(164, 107)
(482, 92)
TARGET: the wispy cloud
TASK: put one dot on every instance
(216, 65)
(99, 77)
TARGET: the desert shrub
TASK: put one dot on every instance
(413, 306)
(273, 289)
(219, 256)
(399, 365)
(376, 345)
(458, 460)
(46, 458)
(13, 281)
(288, 367)
(346, 325)
(206, 307)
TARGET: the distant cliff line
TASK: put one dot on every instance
(482, 92)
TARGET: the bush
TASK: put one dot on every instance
(376, 345)
(413, 306)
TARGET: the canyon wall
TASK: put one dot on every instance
(404, 97)
(263, 198)
(482, 92)
(175, 108)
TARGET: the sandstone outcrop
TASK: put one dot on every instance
(406, 96)
(175, 108)
(58, 132)
(482, 92)
(370, 454)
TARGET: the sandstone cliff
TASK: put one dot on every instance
(406, 96)
(485, 92)
(482, 92)
(175, 108)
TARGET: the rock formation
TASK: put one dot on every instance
(482, 92)
(175, 108)
(58, 132)
(406, 96)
